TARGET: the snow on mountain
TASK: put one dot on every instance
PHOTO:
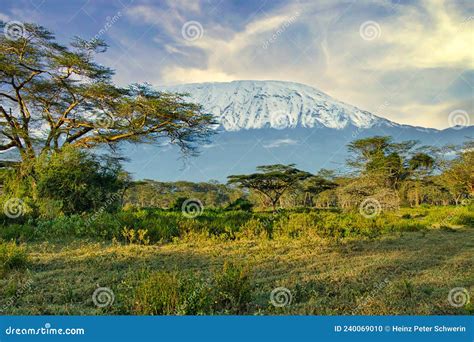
(262, 104)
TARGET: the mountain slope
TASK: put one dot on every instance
(275, 104)
(269, 122)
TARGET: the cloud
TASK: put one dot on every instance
(419, 66)
(422, 47)
(4, 17)
(279, 142)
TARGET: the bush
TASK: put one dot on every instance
(240, 204)
(66, 182)
(17, 232)
(179, 293)
(233, 289)
(78, 181)
(254, 228)
(158, 294)
(12, 257)
(171, 293)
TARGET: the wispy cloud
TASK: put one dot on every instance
(279, 143)
(416, 69)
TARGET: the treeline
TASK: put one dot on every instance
(393, 174)
(150, 193)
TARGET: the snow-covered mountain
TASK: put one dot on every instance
(275, 104)
(270, 122)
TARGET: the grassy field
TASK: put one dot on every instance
(405, 270)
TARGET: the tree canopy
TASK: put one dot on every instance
(52, 95)
(272, 181)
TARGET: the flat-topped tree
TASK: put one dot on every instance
(272, 181)
(52, 95)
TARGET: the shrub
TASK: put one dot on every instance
(171, 293)
(180, 293)
(17, 232)
(253, 228)
(12, 257)
(240, 204)
(178, 203)
(158, 294)
(466, 219)
(66, 182)
(233, 289)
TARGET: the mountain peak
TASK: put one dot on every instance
(275, 104)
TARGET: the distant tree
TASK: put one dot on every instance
(326, 174)
(420, 166)
(315, 185)
(52, 95)
(381, 159)
(272, 181)
(458, 175)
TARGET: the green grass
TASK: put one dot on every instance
(12, 257)
(400, 263)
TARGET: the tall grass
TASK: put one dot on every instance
(165, 225)
(229, 291)
(12, 257)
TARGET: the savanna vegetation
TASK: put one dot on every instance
(392, 233)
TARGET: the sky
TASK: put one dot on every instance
(410, 61)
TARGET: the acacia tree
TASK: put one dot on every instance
(315, 185)
(52, 95)
(458, 173)
(379, 158)
(272, 181)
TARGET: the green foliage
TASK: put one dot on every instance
(178, 293)
(158, 294)
(240, 203)
(78, 181)
(271, 181)
(158, 226)
(154, 194)
(233, 289)
(65, 90)
(66, 182)
(12, 257)
(178, 203)
(255, 228)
